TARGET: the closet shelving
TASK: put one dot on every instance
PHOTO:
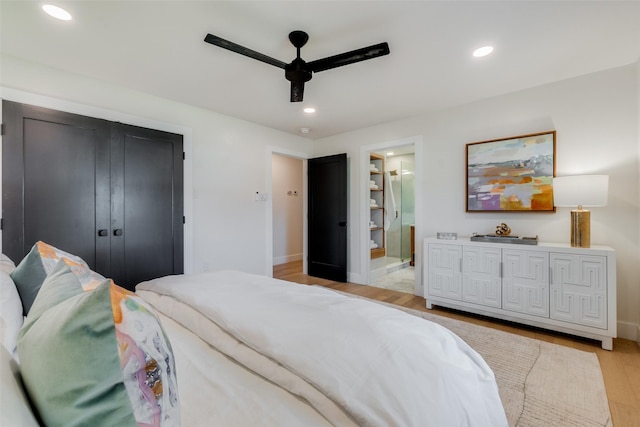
(376, 216)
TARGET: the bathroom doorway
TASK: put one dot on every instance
(396, 270)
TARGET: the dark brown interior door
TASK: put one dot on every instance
(147, 211)
(327, 187)
(55, 183)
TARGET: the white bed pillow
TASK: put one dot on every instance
(6, 264)
(11, 317)
(16, 410)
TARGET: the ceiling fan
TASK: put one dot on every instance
(299, 71)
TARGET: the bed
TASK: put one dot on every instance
(248, 350)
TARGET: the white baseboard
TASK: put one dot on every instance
(287, 258)
(629, 331)
(355, 278)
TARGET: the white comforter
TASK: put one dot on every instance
(354, 361)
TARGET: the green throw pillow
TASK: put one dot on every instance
(62, 284)
(36, 266)
(96, 358)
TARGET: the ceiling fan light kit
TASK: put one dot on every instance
(298, 72)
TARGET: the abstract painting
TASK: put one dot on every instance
(511, 174)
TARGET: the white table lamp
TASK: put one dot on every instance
(581, 191)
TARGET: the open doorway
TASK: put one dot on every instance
(288, 197)
(307, 215)
(393, 266)
(402, 262)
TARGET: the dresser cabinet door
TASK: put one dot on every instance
(525, 282)
(481, 281)
(579, 289)
(445, 276)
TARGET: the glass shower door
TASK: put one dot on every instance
(407, 213)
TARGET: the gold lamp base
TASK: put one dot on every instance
(580, 228)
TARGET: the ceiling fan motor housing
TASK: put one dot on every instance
(297, 72)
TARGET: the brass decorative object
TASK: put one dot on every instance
(581, 191)
(503, 230)
(580, 228)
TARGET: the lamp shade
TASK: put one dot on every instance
(581, 190)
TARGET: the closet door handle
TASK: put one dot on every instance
(342, 223)
(103, 232)
(117, 232)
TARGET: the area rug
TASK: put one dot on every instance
(541, 384)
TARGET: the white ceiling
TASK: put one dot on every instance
(158, 48)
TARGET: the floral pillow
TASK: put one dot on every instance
(96, 357)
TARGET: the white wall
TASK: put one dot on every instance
(287, 197)
(225, 158)
(596, 119)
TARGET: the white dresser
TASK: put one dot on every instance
(549, 285)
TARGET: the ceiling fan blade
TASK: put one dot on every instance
(297, 91)
(346, 58)
(226, 44)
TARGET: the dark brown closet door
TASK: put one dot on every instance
(108, 192)
(147, 205)
(55, 183)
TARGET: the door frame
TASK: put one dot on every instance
(365, 256)
(268, 181)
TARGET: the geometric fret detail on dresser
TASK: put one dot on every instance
(481, 281)
(445, 275)
(548, 285)
(578, 289)
(525, 282)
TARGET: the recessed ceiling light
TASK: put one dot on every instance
(390, 153)
(57, 12)
(309, 110)
(482, 51)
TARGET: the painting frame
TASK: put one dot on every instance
(513, 174)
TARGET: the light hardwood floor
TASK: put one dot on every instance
(620, 367)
